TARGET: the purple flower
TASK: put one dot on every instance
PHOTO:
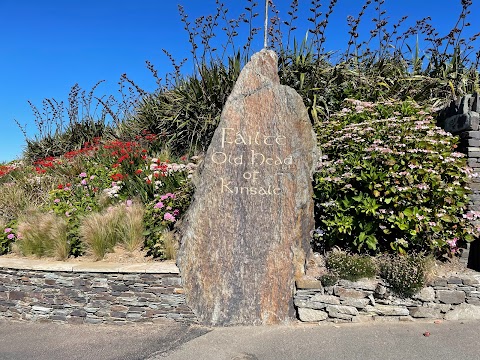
(169, 217)
(83, 175)
(158, 205)
(7, 230)
(10, 236)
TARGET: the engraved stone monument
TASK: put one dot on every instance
(246, 236)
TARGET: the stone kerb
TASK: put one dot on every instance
(448, 298)
(92, 293)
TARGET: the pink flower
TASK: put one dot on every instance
(176, 212)
(7, 230)
(83, 182)
(158, 205)
(92, 177)
(166, 196)
(56, 201)
(169, 217)
(10, 236)
(129, 203)
(83, 175)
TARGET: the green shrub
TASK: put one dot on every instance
(42, 234)
(329, 279)
(405, 275)
(390, 181)
(350, 266)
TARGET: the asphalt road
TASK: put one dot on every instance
(171, 341)
(48, 341)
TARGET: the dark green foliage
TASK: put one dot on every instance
(350, 266)
(329, 279)
(185, 117)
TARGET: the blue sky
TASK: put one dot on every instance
(47, 46)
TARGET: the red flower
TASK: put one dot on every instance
(60, 186)
(138, 171)
(117, 177)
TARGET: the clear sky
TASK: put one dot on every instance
(47, 46)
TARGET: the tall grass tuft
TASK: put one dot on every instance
(118, 225)
(131, 228)
(41, 234)
(99, 231)
(23, 191)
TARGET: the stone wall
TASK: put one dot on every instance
(449, 298)
(82, 297)
(462, 118)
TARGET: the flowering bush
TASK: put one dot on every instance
(7, 237)
(405, 275)
(160, 218)
(390, 181)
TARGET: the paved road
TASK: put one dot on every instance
(405, 341)
(47, 341)
(171, 341)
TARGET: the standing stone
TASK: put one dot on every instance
(245, 237)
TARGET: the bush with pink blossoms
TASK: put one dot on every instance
(390, 181)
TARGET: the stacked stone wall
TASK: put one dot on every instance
(73, 297)
(448, 298)
(462, 118)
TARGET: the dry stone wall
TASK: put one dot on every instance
(449, 298)
(72, 297)
(462, 118)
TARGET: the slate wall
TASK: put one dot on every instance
(449, 298)
(462, 118)
(74, 297)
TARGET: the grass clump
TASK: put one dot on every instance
(131, 228)
(405, 275)
(350, 266)
(41, 234)
(118, 225)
